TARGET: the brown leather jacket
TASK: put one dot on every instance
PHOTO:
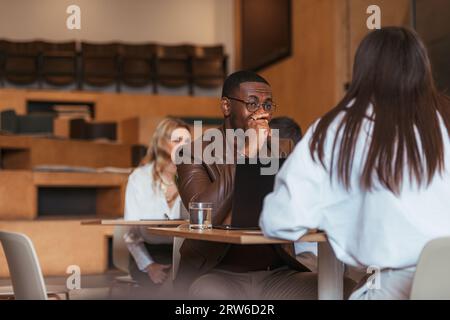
(214, 183)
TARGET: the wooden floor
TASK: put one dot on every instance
(93, 286)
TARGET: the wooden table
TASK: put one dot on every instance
(120, 222)
(229, 236)
(330, 270)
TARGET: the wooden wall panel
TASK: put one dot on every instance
(16, 158)
(393, 13)
(307, 84)
(18, 198)
(111, 202)
(138, 130)
(325, 36)
(128, 131)
(62, 243)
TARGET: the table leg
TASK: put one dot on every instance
(331, 274)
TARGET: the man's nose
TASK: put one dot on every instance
(260, 110)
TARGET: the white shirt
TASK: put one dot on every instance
(143, 201)
(375, 228)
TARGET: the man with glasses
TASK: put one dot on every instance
(223, 271)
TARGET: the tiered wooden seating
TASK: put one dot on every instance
(19, 191)
(25, 152)
(112, 106)
(30, 200)
(26, 196)
(104, 64)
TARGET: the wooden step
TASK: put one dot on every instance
(61, 243)
(139, 130)
(116, 107)
(25, 152)
(21, 191)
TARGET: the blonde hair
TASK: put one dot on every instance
(157, 152)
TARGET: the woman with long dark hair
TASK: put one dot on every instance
(374, 172)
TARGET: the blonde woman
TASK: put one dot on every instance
(151, 193)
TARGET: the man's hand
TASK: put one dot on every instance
(157, 272)
(259, 123)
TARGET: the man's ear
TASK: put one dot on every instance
(225, 106)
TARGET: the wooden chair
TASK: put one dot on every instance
(21, 59)
(100, 65)
(59, 63)
(137, 65)
(209, 66)
(173, 68)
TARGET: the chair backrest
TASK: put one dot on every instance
(137, 67)
(103, 50)
(211, 51)
(99, 63)
(177, 243)
(51, 47)
(21, 61)
(121, 255)
(431, 280)
(137, 51)
(24, 268)
(175, 51)
(59, 62)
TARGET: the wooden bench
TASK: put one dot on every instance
(25, 152)
(21, 192)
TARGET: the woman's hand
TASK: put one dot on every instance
(157, 272)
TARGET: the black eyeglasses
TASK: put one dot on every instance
(252, 106)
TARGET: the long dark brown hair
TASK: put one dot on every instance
(392, 73)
